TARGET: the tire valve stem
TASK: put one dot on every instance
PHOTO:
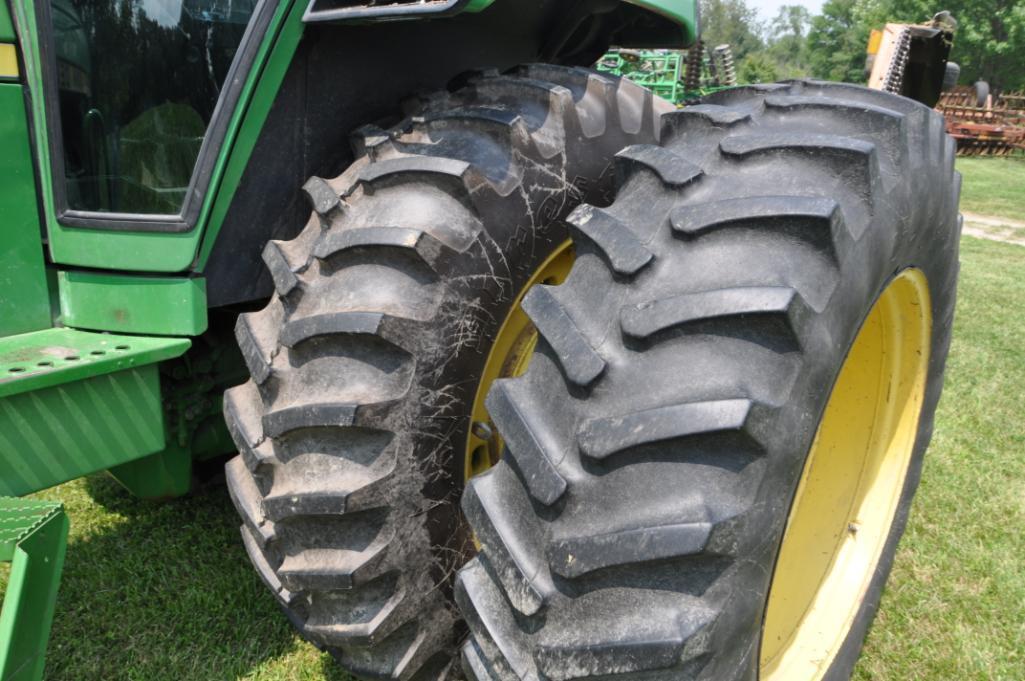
(482, 430)
(853, 529)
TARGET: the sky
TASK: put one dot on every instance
(767, 9)
(167, 13)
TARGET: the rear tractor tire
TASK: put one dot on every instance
(366, 362)
(711, 457)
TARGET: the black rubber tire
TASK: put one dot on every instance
(981, 88)
(631, 529)
(365, 363)
(951, 74)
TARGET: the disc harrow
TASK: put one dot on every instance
(997, 129)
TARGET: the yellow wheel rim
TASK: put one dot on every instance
(509, 356)
(852, 483)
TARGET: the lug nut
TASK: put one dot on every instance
(481, 429)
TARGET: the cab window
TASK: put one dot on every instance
(137, 82)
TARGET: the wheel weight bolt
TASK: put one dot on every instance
(481, 429)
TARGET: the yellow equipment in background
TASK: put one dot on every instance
(911, 59)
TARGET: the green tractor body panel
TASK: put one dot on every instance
(164, 306)
(24, 295)
(6, 25)
(153, 251)
(683, 13)
(33, 537)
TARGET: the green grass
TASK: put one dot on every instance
(164, 591)
(955, 604)
(993, 186)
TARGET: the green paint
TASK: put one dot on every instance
(61, 433)
(164, 306)
(164, 475)
(33, 538)
(682, 12)
(153, 251)
(74, 402)
(478, 5)
(130, 251)
(24, 297)
(53, 357)
(6, 28)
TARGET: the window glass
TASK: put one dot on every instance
(138, 81)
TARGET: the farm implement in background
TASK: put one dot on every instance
(982, 123)
(681, 76)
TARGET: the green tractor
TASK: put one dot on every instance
(526, 374)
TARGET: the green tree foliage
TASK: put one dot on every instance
(757, 67)
(763, 53)
(989, 43)
(788, 40)
(990, 39)
(731, 22)
(838, 38)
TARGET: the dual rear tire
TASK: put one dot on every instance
(698, 381)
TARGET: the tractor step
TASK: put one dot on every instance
(43, 359)
(74, 403)
(33, 536)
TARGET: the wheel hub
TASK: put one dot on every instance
(509, 356)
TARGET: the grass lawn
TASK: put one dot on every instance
(164, 591)
(993, 186)
(955, 604)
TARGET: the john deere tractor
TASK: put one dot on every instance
(536, 377)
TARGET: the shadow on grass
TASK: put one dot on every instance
(160, 591)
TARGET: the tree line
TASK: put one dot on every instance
(989, 43)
